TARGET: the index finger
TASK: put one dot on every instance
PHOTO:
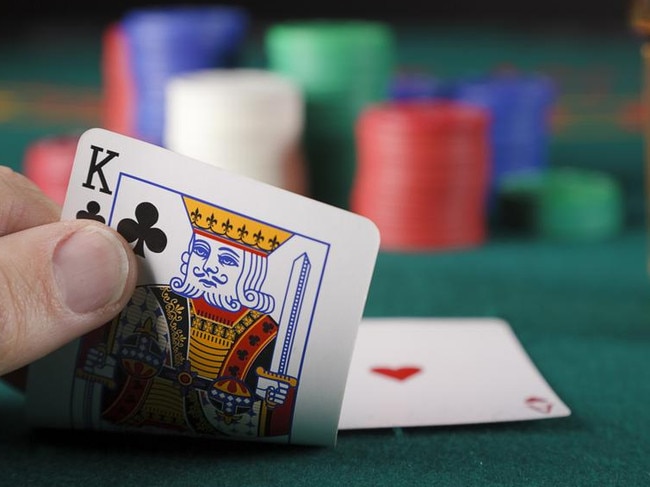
(22, 204)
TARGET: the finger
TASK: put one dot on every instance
(57, 282)
(22, 204)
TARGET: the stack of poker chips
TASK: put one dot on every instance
(562, 204)
(48, 162)
(118, 90)
(151, 45)
(520, 107)
(423, 174)
(247, 121)
(579, 205)
(342, 67)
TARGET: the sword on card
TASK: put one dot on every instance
(288, 321)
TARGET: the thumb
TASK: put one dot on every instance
(57, 282)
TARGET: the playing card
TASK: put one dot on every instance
(431, 372)
(244, 318)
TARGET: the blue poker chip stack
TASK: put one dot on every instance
(520, 106)
(165, 42)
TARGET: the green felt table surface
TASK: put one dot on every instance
(582, 311)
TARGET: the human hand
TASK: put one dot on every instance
(58, 280)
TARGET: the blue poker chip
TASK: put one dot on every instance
(166, 42)
(520, 106)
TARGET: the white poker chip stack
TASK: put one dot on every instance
(248, 121)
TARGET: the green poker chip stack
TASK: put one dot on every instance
(579, 205)
(562, 204)
(342, 67)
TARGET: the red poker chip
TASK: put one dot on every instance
(444, 199)
(429, 245)
(117, 82)
(433, 227)
(456, 214)
(423, 174)
(48, 162)
(431, 185)
(427, 117)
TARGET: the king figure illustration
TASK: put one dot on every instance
(194, 355)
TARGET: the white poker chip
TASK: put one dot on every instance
(248, 121)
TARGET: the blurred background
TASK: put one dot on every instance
(579, 11)
(54, 81)
(554, 242)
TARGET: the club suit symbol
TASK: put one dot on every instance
(142, 231)
(91, 212)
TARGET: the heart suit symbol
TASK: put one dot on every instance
(539, 404)
(400, 373)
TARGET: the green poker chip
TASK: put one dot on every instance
(333, 56)
(342, 67)
(579, 205)
(562, 204)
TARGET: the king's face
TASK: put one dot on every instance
(214, 267)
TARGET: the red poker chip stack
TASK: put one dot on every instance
(423, 174)
(119, 92)
(48, 162)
